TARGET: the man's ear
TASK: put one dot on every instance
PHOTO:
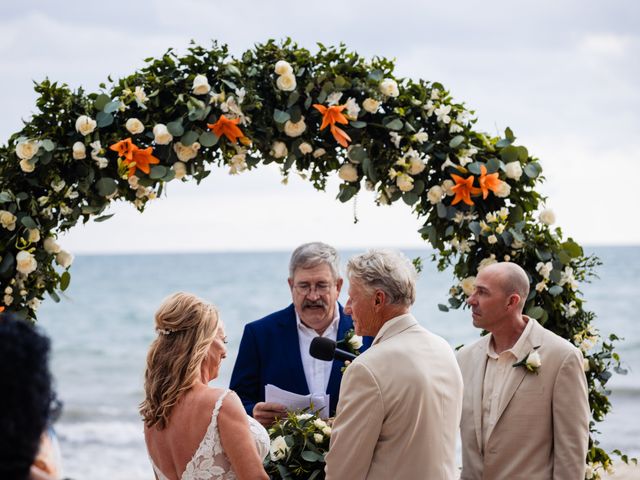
(379, 298)
(290, 282)
(514, 300)
(339, 284)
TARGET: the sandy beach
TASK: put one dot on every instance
(624, 472)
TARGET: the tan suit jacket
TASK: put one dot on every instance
(542, 430)
(399, 409)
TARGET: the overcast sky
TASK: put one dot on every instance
(563, 75)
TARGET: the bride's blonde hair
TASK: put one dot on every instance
(186, 326)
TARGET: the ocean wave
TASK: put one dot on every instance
(114, 434)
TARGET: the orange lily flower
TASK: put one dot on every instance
(463, 189)
(125, 148)
(331, 116)
(488, 182)
(1, 309)
(227, 127)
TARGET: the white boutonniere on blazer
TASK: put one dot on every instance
(532, 361)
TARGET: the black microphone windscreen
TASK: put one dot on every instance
(322, 348)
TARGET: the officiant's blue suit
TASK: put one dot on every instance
(269, 353)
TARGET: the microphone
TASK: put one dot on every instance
(325, 349)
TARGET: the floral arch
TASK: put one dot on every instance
(332, 111)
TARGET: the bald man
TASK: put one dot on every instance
(518, 422)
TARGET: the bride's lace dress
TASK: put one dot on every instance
(210, 462)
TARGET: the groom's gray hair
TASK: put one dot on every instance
(311, 255)
(386, 270)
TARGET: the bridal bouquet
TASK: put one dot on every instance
(299, 444)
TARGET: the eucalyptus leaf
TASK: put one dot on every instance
(5, 197)
(111, 107)
(158, 171)
(395, 124)
(208, 139)
(346, 192)
(293, 98)
(535, 312)
(104, 119)
(509, 154)
(7, 263)
(555, 290)
(443, 308)
(101, 101)
(357, 153)
(28, 222)
(280, 116)
(474, 168)
(189, 138)
(106, 186)
(532, 170)
(103, 217)
(441, 209)
(48, 145)
(65, 280)
(410, 198)
(456, 141)
(175, 128)
(358, 124)
(54, 296)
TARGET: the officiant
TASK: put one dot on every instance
(275, 349)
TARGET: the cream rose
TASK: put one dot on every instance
(327, 431)
(435, 194)
(26, 166)
(200, 85)
(34, 235)
(186, 153)
(305, 148)
(371, 105)
(547, 216)
(503, 190)
(404, 182)
(283, 68)
(134, 126)
(468, 285)
(279, 149)
(50, 245)
(161, 134)
(389, 87)
(447, 186)
(318, 437)
(8, 220)
(492, 239)
(286, 82)
(79, 151)
(25, 262)
(295, 129)
(534, 360)
(416, 165)
(180, 170)
(64, 259)
(27, 149)
(319, 152)
(513, 170)
(85, 125)
(355, 341)
(278, 448)
(348, 173)
(353, 109)
(490, 260)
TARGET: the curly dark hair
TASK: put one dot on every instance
(27, 398)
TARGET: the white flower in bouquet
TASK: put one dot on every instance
(348, 173)
(371, 105)
(85, 125)
(352, 108)
(180, 170)
(327, 431)
(25, 262)
(492, 239)
(34, 235)
(161, 134)
(541, 286)
(134, 126)
(278, 449)
(455, 128)
(318, 152)
(435, 94)
(468, 285)
(305, 148)
(200, 85)
(442, 112)
(389, 87)
(26, 166)
(286, 82)
(8, 220)
(64, 259)
(447, 186)
(500, 228)
(79, 151)
(395, 138)
(295, 129)
(490, 260)
(420, 136)
(318, 437)
(279, 149)
(319, 423)
(416, 165)
(34, 303)
(355, 341)
(304, 416)
(513, 170)
(547, 216)
(544, 269)
(184, 152)
(7, 300)
(140, 96)
(26, 149)
(334, 98)
(404, 182)
(133, 182)
(50, 245)
(435, 194)
(586, 366)
(283, 68)
(534, 361)
(503, 191)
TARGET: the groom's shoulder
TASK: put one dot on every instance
(273, 319)
(470, 349)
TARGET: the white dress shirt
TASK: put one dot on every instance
(316, 371)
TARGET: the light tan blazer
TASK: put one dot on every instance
(399, 409)
(542, 429)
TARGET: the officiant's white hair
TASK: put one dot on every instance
(386, 270)
(312, 254)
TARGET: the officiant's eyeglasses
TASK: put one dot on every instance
(319, 288)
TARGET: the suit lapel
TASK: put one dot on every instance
(478, 382)
(289, 332)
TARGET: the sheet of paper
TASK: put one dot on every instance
(295, 401)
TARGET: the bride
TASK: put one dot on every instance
(193, 431)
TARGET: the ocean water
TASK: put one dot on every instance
(102, 329)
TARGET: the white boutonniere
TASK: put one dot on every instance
(532, 361)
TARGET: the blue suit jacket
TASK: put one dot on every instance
(270, 353)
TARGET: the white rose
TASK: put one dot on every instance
(371, 105)
(416, 165)
(547, 216)
(295, 129)
(318, 437)
(327, 431)
(353, 109)
(8, 220)
(504, 189)
(389, 87)
(283, 68)
(468, 285)
(492, 239)
(533, 360)
(34, 235)
(278, 449)
(319, 152)
(64, 259)
(355, 341)
(186, 153)
(404, 182)
(279, 150)
(25, 262)
(286, 82)
(180, 170)
(200, 85)
(447, 186)
(435, 194)
(51, 246)
(319, 423)
(85, 125)
(27, 149)
(79, 151)
(27, 166)
(348, 173)
(161, 135)
(134, 126)
(513, 170)
(305, 148)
